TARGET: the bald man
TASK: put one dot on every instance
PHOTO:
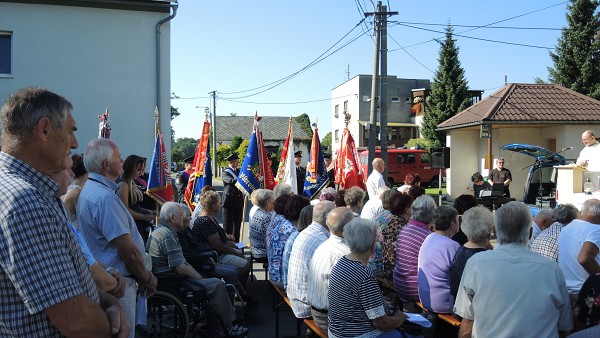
(375, 180)
(589, 157)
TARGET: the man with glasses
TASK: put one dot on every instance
(501, 175)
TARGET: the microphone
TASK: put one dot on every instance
(565, 149)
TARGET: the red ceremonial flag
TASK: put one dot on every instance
(198, 165)
(286, 172)
(159, 180)
(265, 166)
(348, 172)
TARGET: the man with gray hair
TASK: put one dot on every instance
(46, 289)
(323, 260)
(302, 250)
(108, 227)
(500, 294)
(374, 205)
(163, 246)
(546, 244)
(578, 245)
(408, 245)
(375, 180)
(541, 222)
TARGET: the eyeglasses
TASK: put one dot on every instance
(500, 162)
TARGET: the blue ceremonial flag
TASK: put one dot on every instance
(316, 174)
(159, 180)
(249, 178)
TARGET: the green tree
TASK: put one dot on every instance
(449, 92)
(223, 151)
(184, 147)
(241, 150)
(419, 142)
(174, 114)
(304, 122)
(236, 141)
(326, 141)
(176, 155)
(577, 55)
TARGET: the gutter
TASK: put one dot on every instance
(174, 7)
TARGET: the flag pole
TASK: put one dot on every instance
(156, 129)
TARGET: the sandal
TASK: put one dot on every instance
(237, 330)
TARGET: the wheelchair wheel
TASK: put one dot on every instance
(167, 317)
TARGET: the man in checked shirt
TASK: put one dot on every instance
(46, 289)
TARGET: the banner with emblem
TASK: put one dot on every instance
(286, 173)
(160, 187)
(316, 176)
(249, 178)
(199, 178)
(348, 171)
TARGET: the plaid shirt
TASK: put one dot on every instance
(546, 243)
(40, 259)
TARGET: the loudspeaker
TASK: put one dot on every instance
(440, 157)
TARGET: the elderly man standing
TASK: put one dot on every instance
(375, 180)
(108, 227)
(578, 245)
(489, 301)
(46, 289)
(303, 249)
(408, 245)
(163, 246)
(323, 260)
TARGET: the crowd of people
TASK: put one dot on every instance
(78, 266)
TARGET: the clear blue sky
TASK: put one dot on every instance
(234, 46)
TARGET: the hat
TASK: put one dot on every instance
(232, 157)
(298, 154)
(327, 156)
(188, 159)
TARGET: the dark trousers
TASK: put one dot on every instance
(232, 220)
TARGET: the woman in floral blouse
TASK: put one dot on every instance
(400, 208)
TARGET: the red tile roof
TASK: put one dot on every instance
(528, 103)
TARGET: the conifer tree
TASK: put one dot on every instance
(577, 55)
(449, 92)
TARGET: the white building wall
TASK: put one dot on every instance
(95, 58)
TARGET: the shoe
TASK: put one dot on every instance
(237, 330)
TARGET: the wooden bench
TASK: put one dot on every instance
(448, 318)
(313, 326)
(279, 293)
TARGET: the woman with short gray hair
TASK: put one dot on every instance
(477, 224)
(263, 199)
(356, 305)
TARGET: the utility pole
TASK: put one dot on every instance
(373, 115)
(213, 96)
(380, 49)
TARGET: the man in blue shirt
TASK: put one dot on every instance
(107, 226)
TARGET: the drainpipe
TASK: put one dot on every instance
(174, 7)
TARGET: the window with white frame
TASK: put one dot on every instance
(5, 52)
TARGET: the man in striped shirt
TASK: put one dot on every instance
(323, 260)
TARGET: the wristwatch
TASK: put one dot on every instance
(110, 269)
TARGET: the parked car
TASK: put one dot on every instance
(540, 185)
(406, 161)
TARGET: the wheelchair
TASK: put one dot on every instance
(180, 307)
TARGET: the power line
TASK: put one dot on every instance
(312, 63)
(480, 39)
(409, 54)
(288, 103)
(475, 26)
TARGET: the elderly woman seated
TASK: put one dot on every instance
(263, 199)
(357, 307)
(354, 197)
(280, 234)
(400, 205)
(435, 257)
(206, 229)
(477, 224)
